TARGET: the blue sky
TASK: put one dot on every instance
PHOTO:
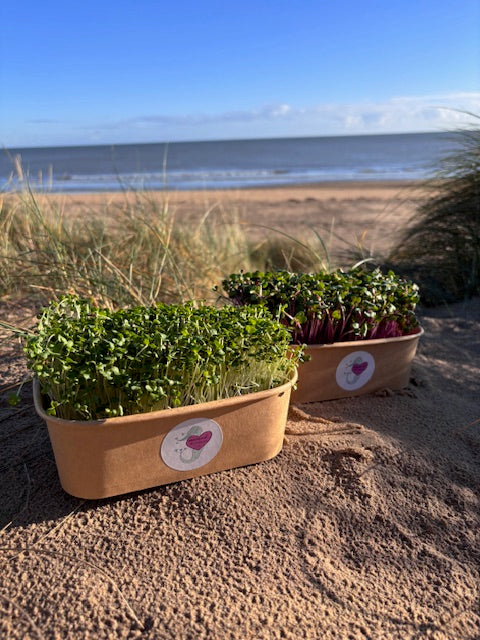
(151, 71)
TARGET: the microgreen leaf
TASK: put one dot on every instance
(96, 363)
(331, 307)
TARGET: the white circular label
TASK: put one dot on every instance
(191, 444)
(355, 370)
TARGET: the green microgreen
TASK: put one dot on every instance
(322, 308)
(94, 363)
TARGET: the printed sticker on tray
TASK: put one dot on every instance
(191, 444)
(355, 370)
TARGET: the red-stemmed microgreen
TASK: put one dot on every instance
(323, 308)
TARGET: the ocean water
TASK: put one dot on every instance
(225, 164)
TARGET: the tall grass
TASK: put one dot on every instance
(281, 250)
(441, 249)
(136, 252)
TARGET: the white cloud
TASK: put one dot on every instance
(398, 114)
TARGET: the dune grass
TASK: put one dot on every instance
(134, 254)
(441, 249)
(138, 252)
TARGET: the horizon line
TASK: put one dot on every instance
(248, 139)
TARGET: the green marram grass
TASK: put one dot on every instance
(96, 363)
(441, 248)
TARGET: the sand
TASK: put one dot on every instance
(359, 218)
(366, 525)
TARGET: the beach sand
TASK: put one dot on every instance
(365, 526)
(363, 218)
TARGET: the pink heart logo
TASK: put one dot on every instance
(198, 442)
(359, 368)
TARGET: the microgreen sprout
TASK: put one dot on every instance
(323, 308)
(95, 363)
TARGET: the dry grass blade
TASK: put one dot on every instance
(127, 281)
(318, 260)
(24, 613)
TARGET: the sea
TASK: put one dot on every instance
(225, 164)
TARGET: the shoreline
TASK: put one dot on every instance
(321, 185)
(346, 190)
